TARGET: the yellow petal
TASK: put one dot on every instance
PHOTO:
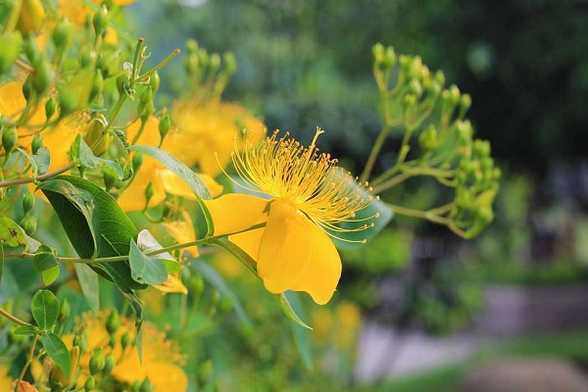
(172, 285)
(249, 241)
(133, 198)
(149, 135)
(175, 185)
(295, 254)
(183, 231)
(235, 212)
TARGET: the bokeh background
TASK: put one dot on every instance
(421, 309)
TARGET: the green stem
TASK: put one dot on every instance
(14, 319)
(377, 147)
(28, 180)
(155, 252)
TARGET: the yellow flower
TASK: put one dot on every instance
(58, 139)
(5, 380)
(309, 200)
(77, 10)
(152, 171)
(161, 363)
(205, 133)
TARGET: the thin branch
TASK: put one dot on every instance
(28, 180)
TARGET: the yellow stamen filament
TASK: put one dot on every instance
(309, 180)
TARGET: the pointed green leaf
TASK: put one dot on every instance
(290, 312)
(26, 330)
(42, 159)
(146, 269)
(58, 352)
(45, 309)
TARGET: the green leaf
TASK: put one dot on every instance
(146, 269)
(89, 283)
(146, 242)
(1, 262)
(301, 334)
(374, 217)
(42, 159)
(11, 234)
(26, 330)
(83, 154)
(216, 280)
(45, 309)
(289, 310)
(191, 178)
(95, 225)
(46, 264)
(58, 352)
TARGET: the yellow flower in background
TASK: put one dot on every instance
(339, 326)
(205, 133)
(5, 380)
(152, 171)
(58, 139)
(308, 199)
(77, 10)
(162, 360)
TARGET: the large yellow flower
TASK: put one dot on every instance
(161, 363)
(308, 199)
(205, 133)
(77, 10)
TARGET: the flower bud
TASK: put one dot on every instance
(67, 102)
(154, 81)
(146, 106)
(125, 339)
(164, 127)
(30, 49)
(28, 201)
(65, 310)
(42, 77)
(109, 177)
(137, 161)
(148, 194)
(112, 322)
(197, 285)
(10, 46)
(32, 16)
(9, 139)
(111, 341)
(50, 107)
(83, 342)
(428, 139)
(90, 384)
(62, 35)
(36, 143)
(146, 386)
(97, 85)
(97, 361)
(192, 46)
(230, 63)
(215, 62)
(27, 88)
(100, 21)
(123, 84)
(390, 58)
(109, 364)
(29, 224)
(85, 59)
(379, 52)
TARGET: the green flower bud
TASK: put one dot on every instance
(85, 59)
(112, 322)
(428, 139)
(50, 108)
(30, 49)
(97, 361)
(9, 139)
(109, 177)
(137, 161)
(125, 339)
(466, 102)
(62, 34)
(146, 106)
(390, 58)
(164, 127)
(415, 87)
(123, 84)
(36, 143)
(100, 21)
(215, 62)
(42, 77)
(197, 285)
(440, 78)
(409, 100)
(83, 343)
(90, 383)
(29, 224)
(379, 52)
(10, 46)
(112, 341)
(455, 95)
(109, 364)
(97, 85)
(230, 63)
(205, 371)
(27, 88)
(67, 102)
(146, 386)
(136, 387)
(192, 46)
(28, 201)
(148, 193)
(154, 81)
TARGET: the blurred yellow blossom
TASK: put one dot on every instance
(293, 250)
(77, 10)
(5, 380)
(339, 326)
(161, 362)
(205, 133)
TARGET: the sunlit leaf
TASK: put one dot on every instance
(45, 309)
(146, 269)
(58, 352)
